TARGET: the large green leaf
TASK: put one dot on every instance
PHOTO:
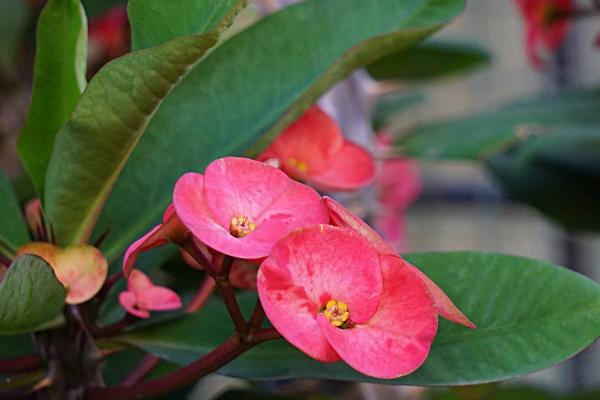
(431, 60)
(558, 172)
(174, 17)
(530, 315)
(96, 8)
(59, 79)
(31, 296)
(13, 19)
(112, 114)
(13, 230)
(251, 87)
(477, 136)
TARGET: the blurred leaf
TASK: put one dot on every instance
(59, 79)
(15, 346)
(431, 60)
(92, 148)
(31, 296)
(518, 393)
(250, 394)
(390, 106)
(557, 172)
(174, 17)
(13, 19)
(477, 136)
(13, 229)
(530, 315)
(251, 87)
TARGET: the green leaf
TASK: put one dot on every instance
(111, 116)
(59, 79)
(31, 296)
(13, 19)
(15, 346)
(556, 171)
(391, 106)
(174, 17)
(13, 230)
(251, 394)
(480, 135)
(251, 87)
(96, 8)
(431, 60)
(530, 315)
(516, 393)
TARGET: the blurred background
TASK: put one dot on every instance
(451, 205)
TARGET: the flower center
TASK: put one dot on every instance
(298, 164)
(241, 226)
(336, 313)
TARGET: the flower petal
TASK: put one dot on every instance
(351, 168)
(82, 269)
(341, 216)
(158, 298)
(291, 312)
(313, 139)
(396, 341)
(243, 187)
(128, 302)
(138, 282)
(328, 263)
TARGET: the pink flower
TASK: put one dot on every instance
(170, 230)
(241, 207)
(547, 25)
(328, 292)
(142, 296)
(313, 150)
(110, 32)
(340, 216)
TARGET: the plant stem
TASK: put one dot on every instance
(229, 350)
(258, 316)
(143, 368)
(20, 364)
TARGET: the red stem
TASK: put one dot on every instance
(113, 329)
(20, 364)
(211, 362)
(141, 370)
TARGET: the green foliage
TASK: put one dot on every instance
(13, 230)
(175, 18)
(558, 172)
(242, 91)
(92, 148)
(431, 60)
(59, 79)
(478, 136)
(31, 297)
(530, 315)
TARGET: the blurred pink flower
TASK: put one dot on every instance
(110, 32)
(340, 216)
(241, 207)
(142, 296)
(313, 150)
(328, 292)
(547, 25)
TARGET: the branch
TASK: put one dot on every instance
(143, 368)
(112, 329)
(202, 295)
(223, 354)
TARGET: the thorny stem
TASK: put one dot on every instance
(258, 316)
(226, 352)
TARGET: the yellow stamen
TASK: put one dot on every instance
(336, 312)
(298, 164)
(241, 226)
